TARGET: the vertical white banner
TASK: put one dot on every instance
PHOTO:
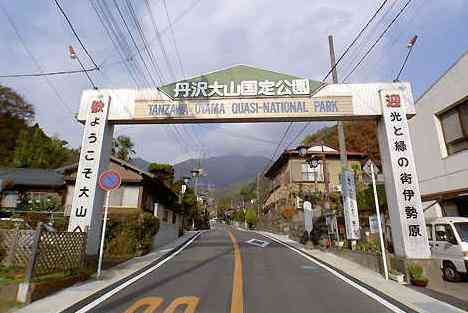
(87, 203)
(308, 225)
(401, 181)
(351, 214)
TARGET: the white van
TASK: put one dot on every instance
(448, 240)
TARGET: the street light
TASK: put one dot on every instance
(302, 150)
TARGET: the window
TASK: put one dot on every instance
(462, 229)
(310, 173)
(455, 127)
(174, 218)
(443, 232)
(429, 232)
(116, 198)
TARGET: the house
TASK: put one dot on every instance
(22, 188)
(139, 191)
(291, 176)
(439, 134)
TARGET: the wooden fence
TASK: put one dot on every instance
(42, 252)
(17, 246)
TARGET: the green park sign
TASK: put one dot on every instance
(241, 81)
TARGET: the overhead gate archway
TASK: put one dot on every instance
(243, 94)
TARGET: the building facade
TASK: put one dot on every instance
(440, 142)
(291, 176)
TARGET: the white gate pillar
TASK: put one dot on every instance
(401, 181)
(87, 208)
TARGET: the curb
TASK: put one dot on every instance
(83, 302)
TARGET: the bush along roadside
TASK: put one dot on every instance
(130, 234)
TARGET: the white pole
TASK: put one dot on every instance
(101, 249)
(377, 209)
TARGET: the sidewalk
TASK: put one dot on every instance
(66, 297)
(411, 298)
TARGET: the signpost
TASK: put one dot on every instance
(308, 223)
(350, 205)
(379, 222)
(108, 181)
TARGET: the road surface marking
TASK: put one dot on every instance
(152, 303)
(191, 302)
(237, 299)
(347, 280)
(258, 243)
(124, 285)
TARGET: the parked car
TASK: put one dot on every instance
(448, 240)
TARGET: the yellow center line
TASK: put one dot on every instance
(237, 300)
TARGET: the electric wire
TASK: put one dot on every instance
(48, 73)
(377, 41)
(35, 60)
(363, 29)
(75, 33)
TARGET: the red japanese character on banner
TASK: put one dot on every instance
(97, 106)
(393, 101)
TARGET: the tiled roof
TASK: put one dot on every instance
(32, 176)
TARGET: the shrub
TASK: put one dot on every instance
(369, 246)
(416, 271)
(288, 213)
(251, 217)
(130, 234)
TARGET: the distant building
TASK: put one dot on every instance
(139, 191)
(439, 134)
(29, 186)
(291, 176)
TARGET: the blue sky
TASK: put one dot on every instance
(289, 37)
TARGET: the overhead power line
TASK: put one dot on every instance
(356, 39)
(135, 44)
(377, 40)
(48, 73)
(75, 33)
(35, 61)
(161, 43)
(278, 146)
(173, 38)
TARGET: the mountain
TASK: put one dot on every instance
(140, 163)
(223, 171)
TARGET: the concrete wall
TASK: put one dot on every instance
(168, 231)
(437, 171)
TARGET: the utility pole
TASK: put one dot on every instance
(340, 126)
(341, 134)
(258, 195)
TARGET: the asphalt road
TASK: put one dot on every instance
(221, 273)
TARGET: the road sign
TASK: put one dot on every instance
(109, 180)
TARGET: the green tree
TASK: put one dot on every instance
(15, 113)
(34, 149)
(122, 147)
(163, 171)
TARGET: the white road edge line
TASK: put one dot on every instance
(112, 292)
(347, 280)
